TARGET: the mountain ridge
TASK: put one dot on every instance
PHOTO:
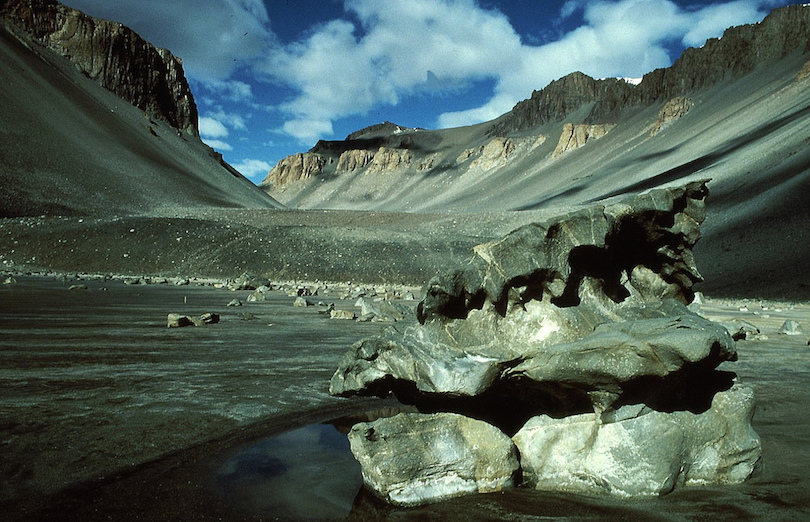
(575, 98)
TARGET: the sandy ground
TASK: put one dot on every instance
(108, 414)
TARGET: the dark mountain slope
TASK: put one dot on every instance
(69, 146)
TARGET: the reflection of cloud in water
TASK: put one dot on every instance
(307, 473)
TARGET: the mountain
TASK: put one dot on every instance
(698, 114)
(96, 120)
(736, 110)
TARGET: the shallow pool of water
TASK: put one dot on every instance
(305, 474)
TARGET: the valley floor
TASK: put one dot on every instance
(106, 413)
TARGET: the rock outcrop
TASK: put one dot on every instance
(386, 159)
(113, 55)
(355, 159)
(294, 168)
(672, 111)
(580, 324)
(575, 136)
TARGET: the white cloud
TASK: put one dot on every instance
(253, 168)
(714, 19)
(343, 69)
(211, 128)
(217, 144)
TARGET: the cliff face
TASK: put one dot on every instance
(113, 55)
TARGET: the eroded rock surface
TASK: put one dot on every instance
(672, 111)
(637, 451)
(575, 136)
(456, 455)
(577, 326)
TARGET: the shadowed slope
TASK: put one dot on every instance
(67, 146)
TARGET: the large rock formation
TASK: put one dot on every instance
(583, 315)
(117, 58)
(614, 453)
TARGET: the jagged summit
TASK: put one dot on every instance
(385, 128)
(112, 54)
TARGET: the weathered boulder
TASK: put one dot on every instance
(302, 302)
(540, 287)
(791, 327)
(636, 451)
(346, 315)
(179, 320)
(412, 459)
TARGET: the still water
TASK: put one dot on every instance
(304, 474)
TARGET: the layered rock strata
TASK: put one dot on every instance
(113, 55)
(580, 321)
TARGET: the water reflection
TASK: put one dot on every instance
(305, 474)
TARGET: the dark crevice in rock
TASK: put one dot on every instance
(508, 404)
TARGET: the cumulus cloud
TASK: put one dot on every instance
(211, 128)
(253, 168)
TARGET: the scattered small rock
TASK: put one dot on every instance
(235, 302)
(209, 318)
(256, 297)
(302, 302)
(343, 314)
(77, 287)
(791, 327)
(180, 320)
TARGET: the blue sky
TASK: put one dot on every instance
(271, 77)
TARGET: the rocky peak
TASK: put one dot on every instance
(385, 128)
(113, 55)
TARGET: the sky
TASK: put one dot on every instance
(272, 77)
